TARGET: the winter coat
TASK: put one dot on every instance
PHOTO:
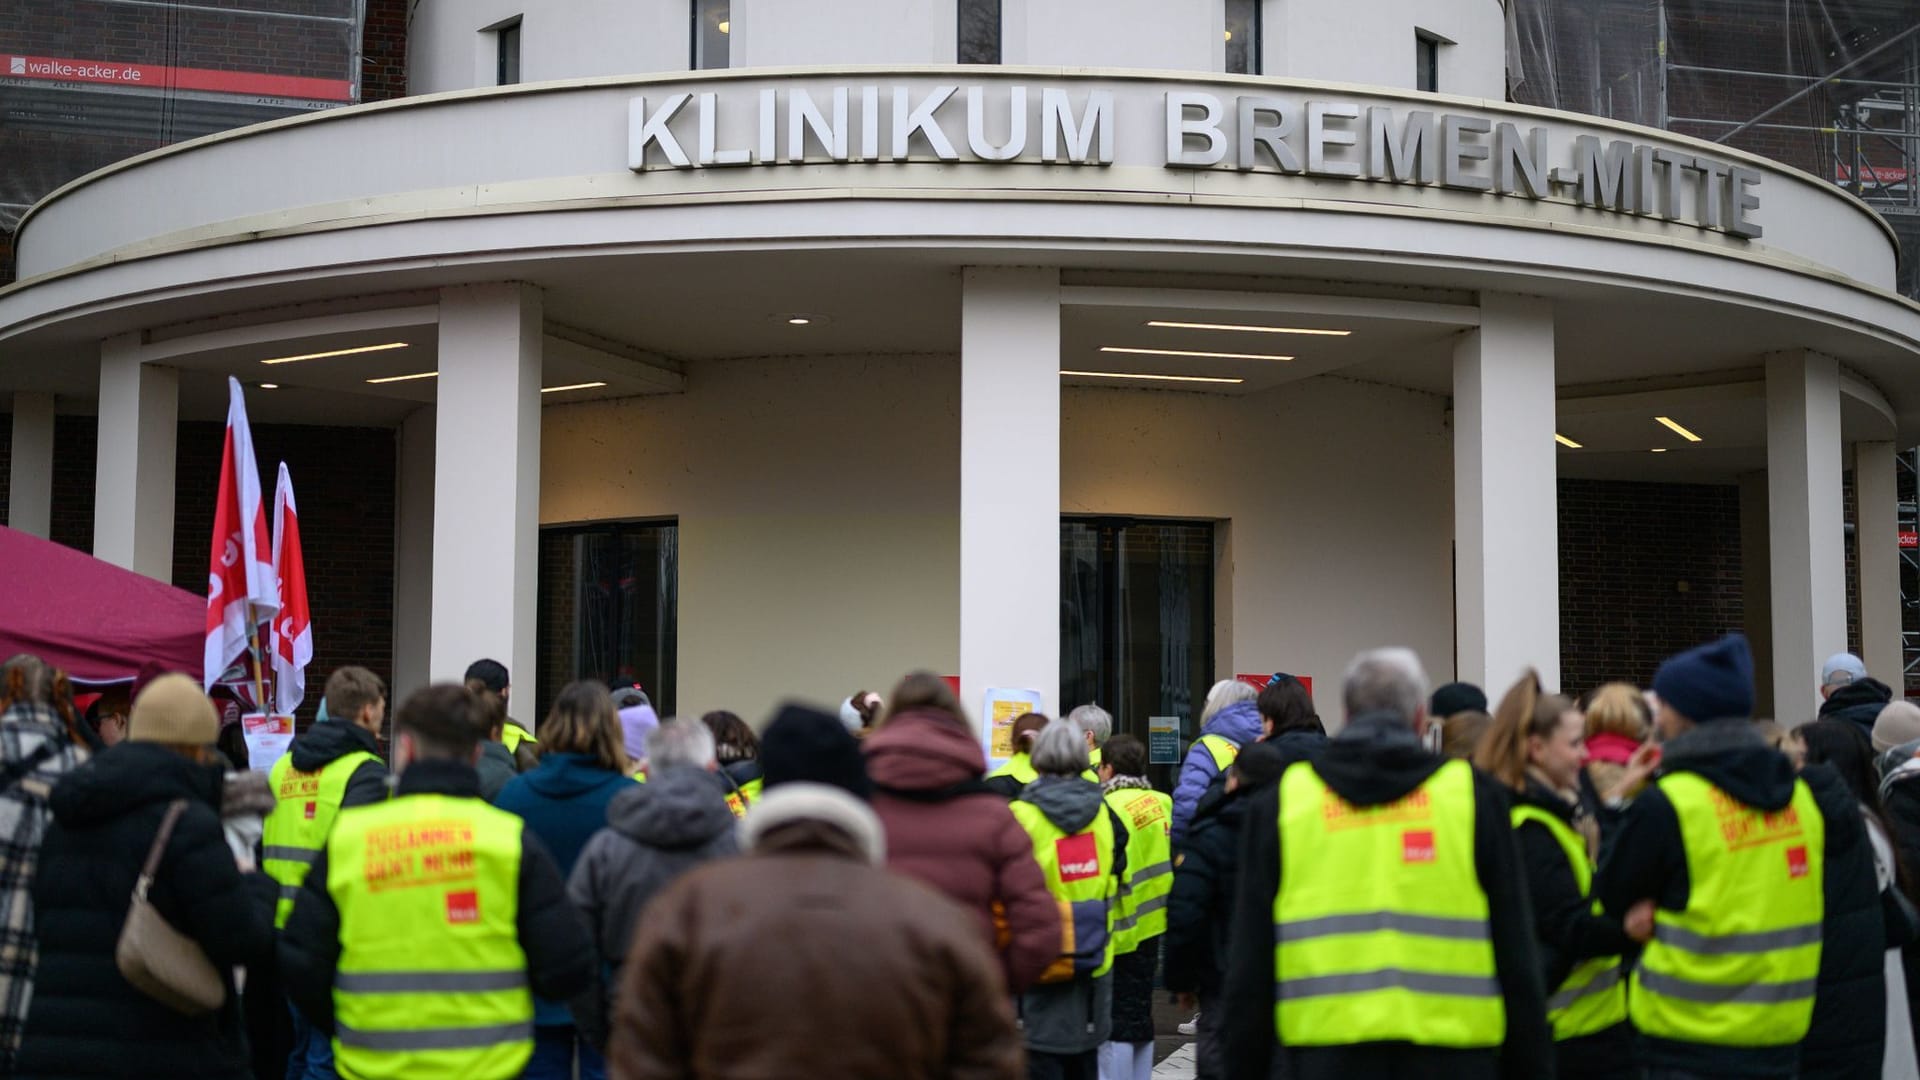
(1859, 702)
(655, 832)
(497, 768)
(1133, 994)
(946, 830)
(34, 754)
(805, 959)
(1646, 860)
(1294, 746)
(564, 802)
(1200, 909)
(1377, 759)
(559, 951)
(1900, 1062)
(86, 1019)
(1239, 724)
(1074, 1016)
(1568, 934)
(330, 740)
(1900, 797)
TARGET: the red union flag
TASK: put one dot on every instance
(293, 626)
(240, 585)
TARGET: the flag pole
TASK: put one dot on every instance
(259, 676)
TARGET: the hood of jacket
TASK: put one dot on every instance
(1376, 759)
(805, 818)
(1733, 757)
(1068, 801)
(1859, 702)
(676, 809)
(130, 775)
(923, 750)
(1239, 722)
(329, 741)
(569, 776)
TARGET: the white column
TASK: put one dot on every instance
(30, 467)
(486, 484)
(1506, 536)
(133, 481)
(413, 554)
(1877, 530)
(1805, 526)
(1009, 483)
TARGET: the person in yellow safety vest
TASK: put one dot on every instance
(1096, 726)
(738, 750)
(1147, 816)
(1388, 884)
(518, 740)
(1080, 845)
(1229, 720)
(333, 765)
(1536, 746)
(1747, 871)
(1014, 774)
(431, 919)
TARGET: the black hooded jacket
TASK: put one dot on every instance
(86, 1019)
(1648, 861)
(1859, 702)
(1377, 759)
(329, 741)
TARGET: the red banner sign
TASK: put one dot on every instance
(1909, 538)
(161, 77)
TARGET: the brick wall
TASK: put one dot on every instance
(1645, 571)
(383, 51)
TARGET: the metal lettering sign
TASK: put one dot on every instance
(1290, 134)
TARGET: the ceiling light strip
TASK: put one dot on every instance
(1566, 442)
(1128, 351)
(1674, 426)
(1160, 378)
(572, 386)
(405, 378)
(1169, 324)
(337, 352)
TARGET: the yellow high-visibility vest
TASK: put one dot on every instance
(305, 804)
(1020, 767)
(1737, 966)
(1380, 924)
(1222, 750)
(512, 735)
(1078, 868)
(1142, 915)
(432, 981)
(1593, 997)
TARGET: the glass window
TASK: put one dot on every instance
(609, 608)
(979, 31)
(506, 47)
(1243, 37)
(1426, 64)
(712, 22)
(1136, 621)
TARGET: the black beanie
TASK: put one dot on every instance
(1455, 698)
(809, 744)
(1712, 682)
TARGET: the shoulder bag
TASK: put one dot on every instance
(163, 963)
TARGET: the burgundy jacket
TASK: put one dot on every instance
(962, 840)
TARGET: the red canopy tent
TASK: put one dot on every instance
(93, 620)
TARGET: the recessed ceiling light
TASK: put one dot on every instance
(1659, 449)
(1566, 442)
(571, 386)
(725, 26)
(1673, 426)
(799, 320)
(1159, 378)
(405, 378)
(269, 386)
(337, 352)
(1189, 352)
(1170, 325)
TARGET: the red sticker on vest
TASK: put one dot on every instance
(1079, 857)
(463, 907)
(311, 810)
(1796, 862)
(1416, 846)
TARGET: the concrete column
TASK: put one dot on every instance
(1877, 529)
(1805, 526)
(133, 481)
(30, 468)
(1505, 476)
(1009, 483)
(486, 484)
(413, 554)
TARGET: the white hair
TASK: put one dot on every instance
(678, 743)
(1093, 720)
(1059, 750)
(1224, 693)
(1385, 680)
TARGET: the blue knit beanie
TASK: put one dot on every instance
(1712, 682)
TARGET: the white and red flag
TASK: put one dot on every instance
(293, 626)
(240, 583)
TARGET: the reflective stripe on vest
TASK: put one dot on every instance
(431, 981)
(512, 735)
(1593, 996)
(1078, 868)
(1380, 923)
(1737, 967)
(304, 807)
(1222, 750)
(1141, 913)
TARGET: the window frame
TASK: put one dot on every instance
(960, 12)
(1256, 36)
(506, 43)
(696, 9)
(1426, 61)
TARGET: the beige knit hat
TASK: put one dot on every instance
(1898, 723)
(173, 709)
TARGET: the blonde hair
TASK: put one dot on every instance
(1460, 734)
(583, 721)
(1619, 709)
(1526, 710)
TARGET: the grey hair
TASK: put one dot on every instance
(1059, 750)
(1224, 693)
(1093, 720)
(678, 743)
(1386, 680)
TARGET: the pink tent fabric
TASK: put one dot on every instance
(95, 621)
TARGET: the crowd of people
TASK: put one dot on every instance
(1645, 884)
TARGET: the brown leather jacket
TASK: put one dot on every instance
(807, 959)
